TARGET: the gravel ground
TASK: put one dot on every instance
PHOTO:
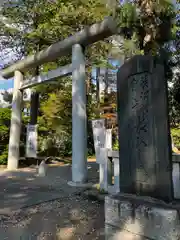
(70, 218)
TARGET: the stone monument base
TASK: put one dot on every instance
(130, 217)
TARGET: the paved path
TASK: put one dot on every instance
(47, 208)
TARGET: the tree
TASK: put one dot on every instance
(173, 74)
(54, 20)
(31, 22)
(150, 21)
(151, 27)
(5, 116)
(7, 97)
(56, 118)
(46, 22)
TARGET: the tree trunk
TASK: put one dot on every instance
(106, 81)
(98, 86)
(34, 104)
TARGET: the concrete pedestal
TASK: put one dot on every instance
(139, 218)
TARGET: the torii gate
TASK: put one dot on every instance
(76, 44)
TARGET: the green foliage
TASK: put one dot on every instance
(127, 15)
(43, 23)
(175, 132)
(5, 116)
(149, 24)
(144, 27)
(174, 107)
(116, 145)
(38, 24)
(55, 123)
(4, 156)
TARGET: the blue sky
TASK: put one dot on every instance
(6, 84)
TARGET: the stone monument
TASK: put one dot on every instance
(144, 133)
(144, 208)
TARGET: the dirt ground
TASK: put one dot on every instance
(71, 218)
(47, 208)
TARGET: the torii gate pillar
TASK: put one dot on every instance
(79, 118)
(15, 129)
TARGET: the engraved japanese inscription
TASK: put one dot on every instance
(144, 129)
(140, 125)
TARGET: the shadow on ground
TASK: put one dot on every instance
(47, 208)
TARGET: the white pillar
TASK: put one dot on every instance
(79, 118)
(108, 141)
(116, 176)
(15, 129)
(103, 169)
